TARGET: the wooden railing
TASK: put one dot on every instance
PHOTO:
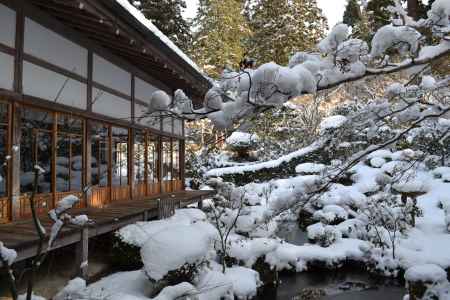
(42, 202)
(167, 186)
(100, 196)
(140, 190)
(166, 207)
(177, 185)
(4, 210)
(120, 193)
(153, 189)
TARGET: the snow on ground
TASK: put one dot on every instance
(429, 241)
(288, 256)
(122, 285)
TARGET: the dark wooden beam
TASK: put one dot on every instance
(18, 66)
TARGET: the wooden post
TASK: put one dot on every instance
(160, 209)
(131, 181)
(15, 161)
(200, 203)
(83, 254)
(182, 163)
(88, 161)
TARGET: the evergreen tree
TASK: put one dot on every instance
(166, 15)
(221, 31)
(378, 13)
(352, 13)
(282, 27)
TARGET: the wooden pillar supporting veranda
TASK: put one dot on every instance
(82, 254)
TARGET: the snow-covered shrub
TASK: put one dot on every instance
(380, 261)
(241, 144)
(387, 218)
(422, 277)
(174, 254)
(323, 235)
(124, 255)
(331, 214)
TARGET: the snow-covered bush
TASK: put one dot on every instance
(422, 279)
(323, 235)
(242, 143)
(331, 214)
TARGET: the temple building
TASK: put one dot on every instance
(75, 82)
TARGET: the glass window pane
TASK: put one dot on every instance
(76, 163)
(69, 160)
(3, 149)
(139, 157)
(100, 154)
(167, 161)
(119, 156)
(63, 163)
(176, 160)
(152, 159)
(36, 144)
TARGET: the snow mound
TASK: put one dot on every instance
(310, 168)
(214, 285)
(242, 139)
(245, 281)
(249, 250)
(332, 122)
(426, 273)
(175, 246)
(137, 234)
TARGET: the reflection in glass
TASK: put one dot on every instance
(152, 159)
(69, 157)
(100, 154)
(139, 157)
(36, 141)
(119, 156)
(176, 160)
(3, 149)
(167, 160)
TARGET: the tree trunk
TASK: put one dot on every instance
(413, 9)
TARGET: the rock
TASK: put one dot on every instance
(310, 294)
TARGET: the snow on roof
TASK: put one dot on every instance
(150, 26)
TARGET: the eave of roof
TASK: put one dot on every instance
(123, 9)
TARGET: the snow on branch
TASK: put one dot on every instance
(341, 59)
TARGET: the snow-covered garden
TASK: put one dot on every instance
(372, 191)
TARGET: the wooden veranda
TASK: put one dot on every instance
(22, 237)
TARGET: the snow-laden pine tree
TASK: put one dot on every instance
(220, 31)
(378, 13)
(166, 15)
(280, 28)
(356, 16)
(352, 13)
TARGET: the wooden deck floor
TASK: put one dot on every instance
(21, 236)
